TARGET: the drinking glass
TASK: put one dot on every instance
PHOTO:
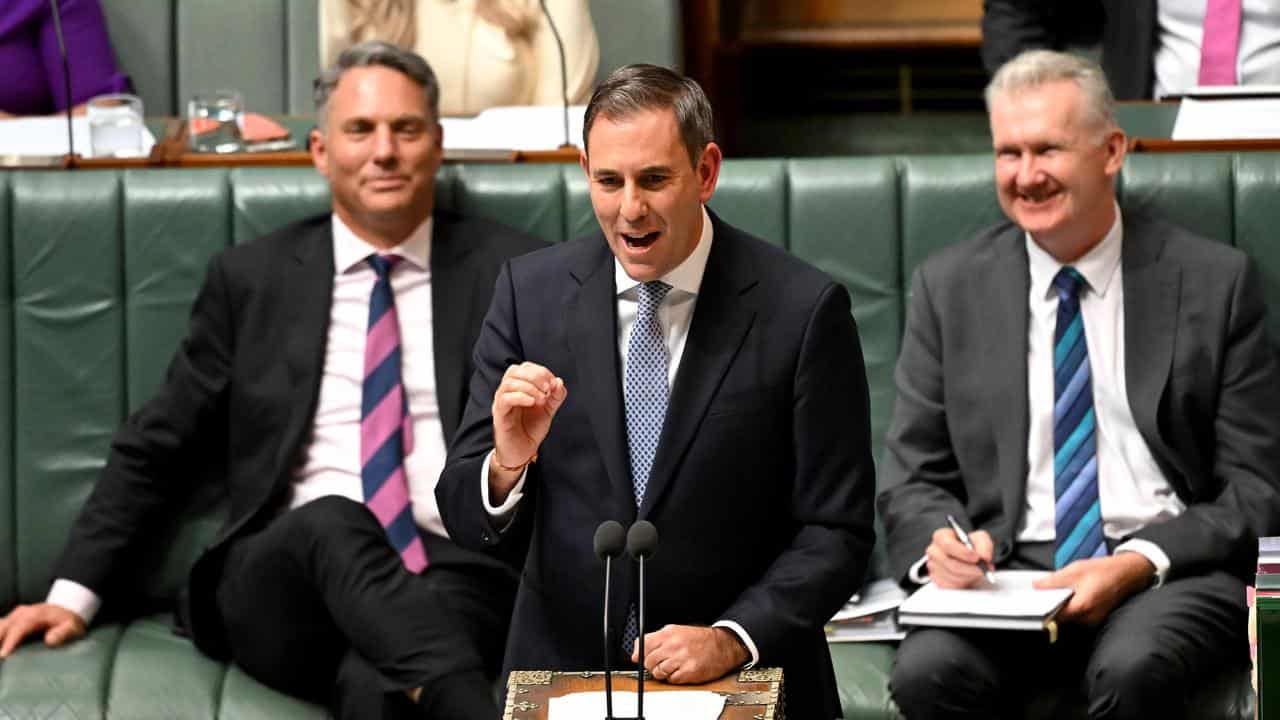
(115, 125)
(214, 121)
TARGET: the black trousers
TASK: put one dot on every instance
(318, 605)
(1145, 661)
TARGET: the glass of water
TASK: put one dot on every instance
(115, 125)
(214, 121)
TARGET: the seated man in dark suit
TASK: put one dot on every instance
(670, 368)
(1094, 392)
(324, 371)
(1149, 48)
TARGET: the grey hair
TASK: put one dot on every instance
(376, 53)
(633, 88)
(1035, 68)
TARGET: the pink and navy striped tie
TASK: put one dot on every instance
(386, 429)
(1077, 509)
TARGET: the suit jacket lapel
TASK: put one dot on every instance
(1150, 326)
(1007, 284)
(593, 340)
(455, 293)
(721, 319)
(307, 279)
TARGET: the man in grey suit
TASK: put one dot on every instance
(1091, 393)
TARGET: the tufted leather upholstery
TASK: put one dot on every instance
(98, 269)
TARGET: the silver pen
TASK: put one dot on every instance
(964, 540)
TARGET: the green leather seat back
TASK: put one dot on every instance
(8, 555)
(525, 197)
(69, 368)
(579, 218)
(1257, 222)
(944, 199)
(1191, 190)
(752, 195)
(843, 218)
(264, 198)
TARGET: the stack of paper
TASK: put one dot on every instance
(869, 616)
(45, 136)
(527, 127)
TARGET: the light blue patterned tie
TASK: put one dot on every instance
(1077, 510)
(644, 393)
(645, 386)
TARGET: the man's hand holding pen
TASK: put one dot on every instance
(952, 564)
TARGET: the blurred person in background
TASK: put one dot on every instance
(31, 65)
(487, 53)
(1150, 48)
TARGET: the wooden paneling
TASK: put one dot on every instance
(855, 24)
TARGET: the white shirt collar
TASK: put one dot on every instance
(350, 251)
(1098, 266)
(686, 276)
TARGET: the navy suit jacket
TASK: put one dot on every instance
(762, 485)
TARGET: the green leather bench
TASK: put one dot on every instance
(98, 269)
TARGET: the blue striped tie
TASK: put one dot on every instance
(1077, 511)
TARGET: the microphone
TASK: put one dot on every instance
(642, 540)
(66, 76)
(564, 72)
(608, 545)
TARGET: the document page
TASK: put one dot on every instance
(1012, 596)
(1235, 119)
(48, 136)
(665, 705)
(877, 596)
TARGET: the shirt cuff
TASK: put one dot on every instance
(71, 595)
(745, 638)
(916, 573)
(1150, 551)
(501, 514)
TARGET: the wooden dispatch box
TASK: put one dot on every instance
(754, 694)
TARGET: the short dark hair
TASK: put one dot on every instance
(375, 53)
(633, 88)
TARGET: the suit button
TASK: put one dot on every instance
(486, 537)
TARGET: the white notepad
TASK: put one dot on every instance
(1011, 604)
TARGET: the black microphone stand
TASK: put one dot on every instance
(564, 73)
(608, 649)
(66, 79)
(608, 545)
(642, 539)
(640, 637)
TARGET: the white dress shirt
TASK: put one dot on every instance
(1131, 487)
(675, 314)
(1180, 28)
(329, 463)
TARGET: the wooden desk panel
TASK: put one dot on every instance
(755, 694)
(863, 24)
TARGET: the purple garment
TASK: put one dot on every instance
(31, 81)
